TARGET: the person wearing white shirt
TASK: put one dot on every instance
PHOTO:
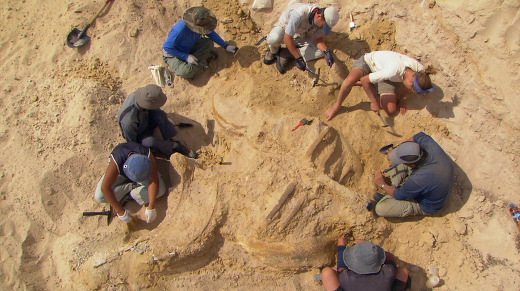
(382, 75)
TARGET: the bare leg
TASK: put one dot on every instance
(370, 90)
(352, 78)
(389, 103)
(330, 279)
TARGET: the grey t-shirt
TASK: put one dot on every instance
(381, 281)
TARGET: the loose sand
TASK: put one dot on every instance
(59, 106)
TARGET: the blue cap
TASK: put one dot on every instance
(138, 168)
(418, 88)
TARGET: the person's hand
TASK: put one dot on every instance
(300, 63)
(378, 178)
(359, 240)
(127, 217)
(402, 106)
(328, 57)
(192, 60)
(330, 113)
(150, 215)
(232, 49)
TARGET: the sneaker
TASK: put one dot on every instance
(282, 58)
(378, 196)
(182, 148)
(269, 57)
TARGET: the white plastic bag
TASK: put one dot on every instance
(262, 4)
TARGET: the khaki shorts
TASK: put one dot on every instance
(381, 87)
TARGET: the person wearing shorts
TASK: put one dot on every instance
(387, 77)
(364, 266)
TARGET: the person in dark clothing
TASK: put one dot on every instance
(364, 266)
(140, 114)
(131, 170)
(421, 179)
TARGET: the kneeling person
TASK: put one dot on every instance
(131, 170)
(364, 266)
(140, 114)
(421, 180)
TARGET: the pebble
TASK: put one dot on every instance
(460, 228)
(34, 98)
(133, 32)
(488, 208)
(466, 214)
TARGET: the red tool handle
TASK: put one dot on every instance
(299, 124)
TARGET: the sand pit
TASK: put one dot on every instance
(60, 104)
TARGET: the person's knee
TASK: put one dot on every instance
(99, 197)
(275, 36)
(148, 142)
(328, 275)
(389, 103)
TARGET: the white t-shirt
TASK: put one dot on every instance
(388, 65)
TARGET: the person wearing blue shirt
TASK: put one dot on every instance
(185, 50)
(421, 180)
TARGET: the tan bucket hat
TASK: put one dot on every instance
(200, 19)
(150, 97)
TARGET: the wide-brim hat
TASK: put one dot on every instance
(364, 258)
(408, 152)
(200, 20)
(150, 97)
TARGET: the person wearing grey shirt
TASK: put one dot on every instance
(140, 114)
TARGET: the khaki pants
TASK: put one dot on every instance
(390, 207)
(201, 50)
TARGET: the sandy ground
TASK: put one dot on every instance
(58, 128)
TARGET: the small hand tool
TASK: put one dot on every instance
(384, 122)
(107, 213)
(302, 122)
(352, 24)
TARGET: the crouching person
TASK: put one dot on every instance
(422, 177)
(131, 170)
(364, 266)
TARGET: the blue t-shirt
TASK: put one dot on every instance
(181, 39)
(123, 151)
(431, 182)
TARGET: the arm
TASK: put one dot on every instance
(169, 45)
(106, 187)
(217, 39)
(129, 130)
(318, 40)
(381, 75)
(288, 40)
(153, 187)
(379, 180)
(390, 258)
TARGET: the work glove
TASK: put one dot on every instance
(192, 60)
(232, 49)
(300, 63)
(127, 217)
(150, 215)
(328, 57)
